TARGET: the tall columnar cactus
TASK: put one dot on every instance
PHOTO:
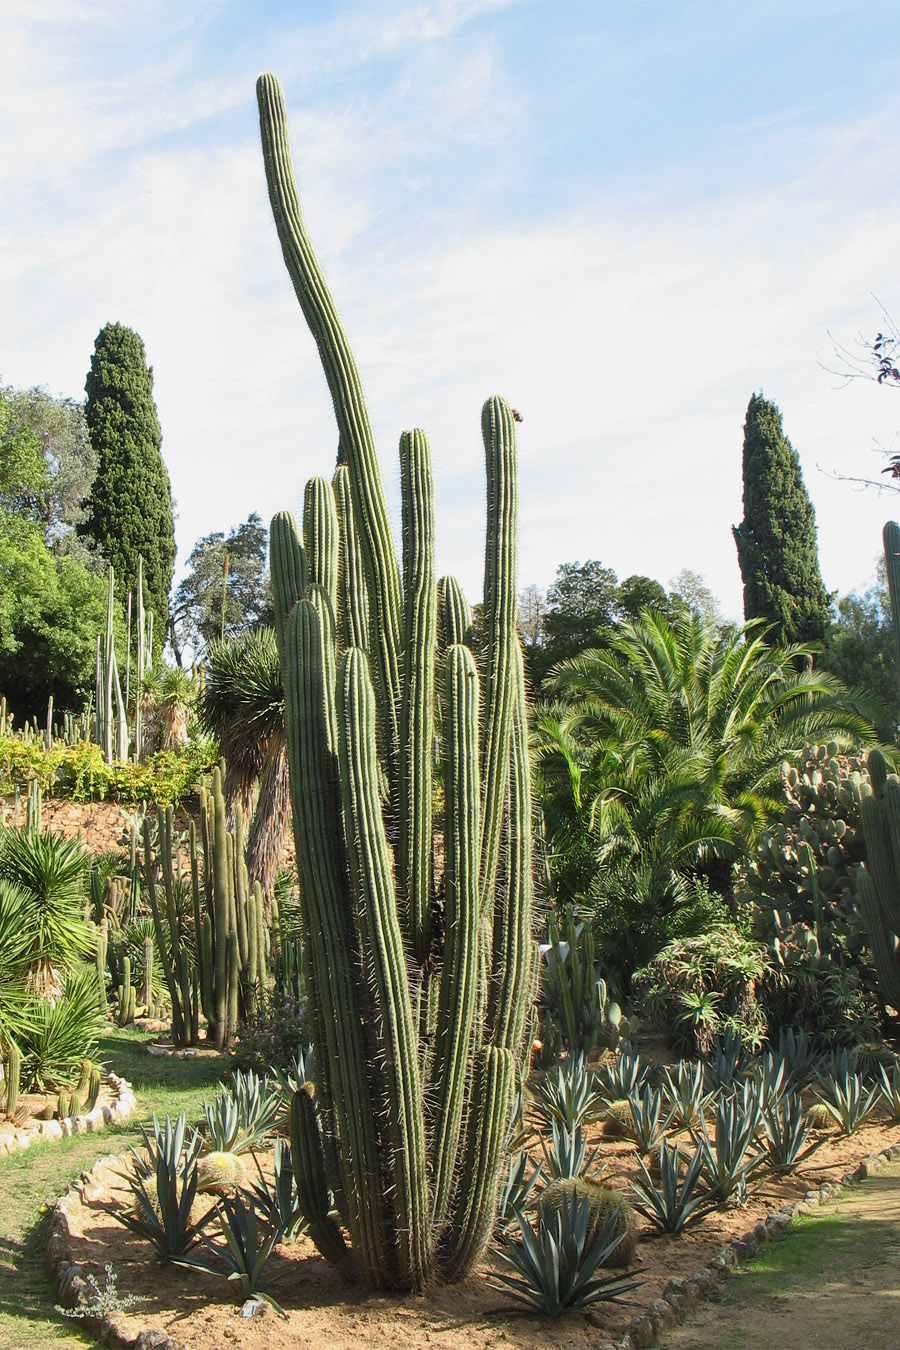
(878, 883)
(419, 956)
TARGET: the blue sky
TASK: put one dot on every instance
(627, 217)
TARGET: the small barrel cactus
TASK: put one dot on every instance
(604, 1201)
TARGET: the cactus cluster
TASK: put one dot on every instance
(419, 959)
(83, 1097)
(801, 882)
(221, 970)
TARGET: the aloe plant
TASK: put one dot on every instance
(278, 1200)
(847, 1101)
(889, 1089)
(686, 1093)
(649, 1118)
(241, 1117)
(566, 1154)
(517, 1189)
(730, 1156)
(419, 985)
(625, 1074)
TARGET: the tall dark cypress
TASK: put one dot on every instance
(776, 540)
(129, 510)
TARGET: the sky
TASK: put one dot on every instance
(626, 216)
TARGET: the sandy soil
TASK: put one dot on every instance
(194, 1306)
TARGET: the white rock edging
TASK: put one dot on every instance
(13, 1139)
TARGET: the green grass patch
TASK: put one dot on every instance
(31, 1181)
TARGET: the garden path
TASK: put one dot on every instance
(831, 1282)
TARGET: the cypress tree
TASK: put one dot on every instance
(776, 540)
(129, 510)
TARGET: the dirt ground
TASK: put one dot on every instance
(194, 1306)
(832, 1282)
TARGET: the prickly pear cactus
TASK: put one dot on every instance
(419, 957)
(801, 882)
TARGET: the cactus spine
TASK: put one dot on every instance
(419, 986)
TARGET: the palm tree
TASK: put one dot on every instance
(665, 747)
(242, 705)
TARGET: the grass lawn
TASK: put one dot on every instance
(32, 1180)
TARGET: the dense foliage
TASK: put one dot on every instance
(226, 588)
(129, 510)
(776, 540)
(80, 771)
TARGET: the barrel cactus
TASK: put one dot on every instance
(416, 906)
(605, 1201)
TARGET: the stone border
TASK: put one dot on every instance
(13, 1138)
(679, 1295)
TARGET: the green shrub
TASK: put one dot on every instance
(696, 987)
(80, 772)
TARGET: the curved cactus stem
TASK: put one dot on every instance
(415, 846)
(385, 968)
(458, 996)
(356, 443)
(353, 601)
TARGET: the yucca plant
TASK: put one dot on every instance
(569, 1093)
(566, 1155)
(556, 1267)
(786, 1132)
(730, 1158)
(847, 1101)
(687, 1095)
(50, 872)
(56, 1035)
(247, 1251)
(649, 1119)
(517, 1188)
(241, 1117)
(677, 1202)
(278, 1200)
(164, 1186)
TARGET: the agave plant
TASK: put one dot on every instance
(566, 1154)
(556, 1266)
(728, 1060)
(786, 1132)
(687, 1094)
(799, 1056)
(649, 1118)
(164, 1185)
(847, 1101)
(523, 1176)
(624, 1074)
(889, 1090)
(569, 1094)
(242, 1117)
(677, 1201)
(770, 1078)
(248, 1248)
(730, 1158)
(278, 1201)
